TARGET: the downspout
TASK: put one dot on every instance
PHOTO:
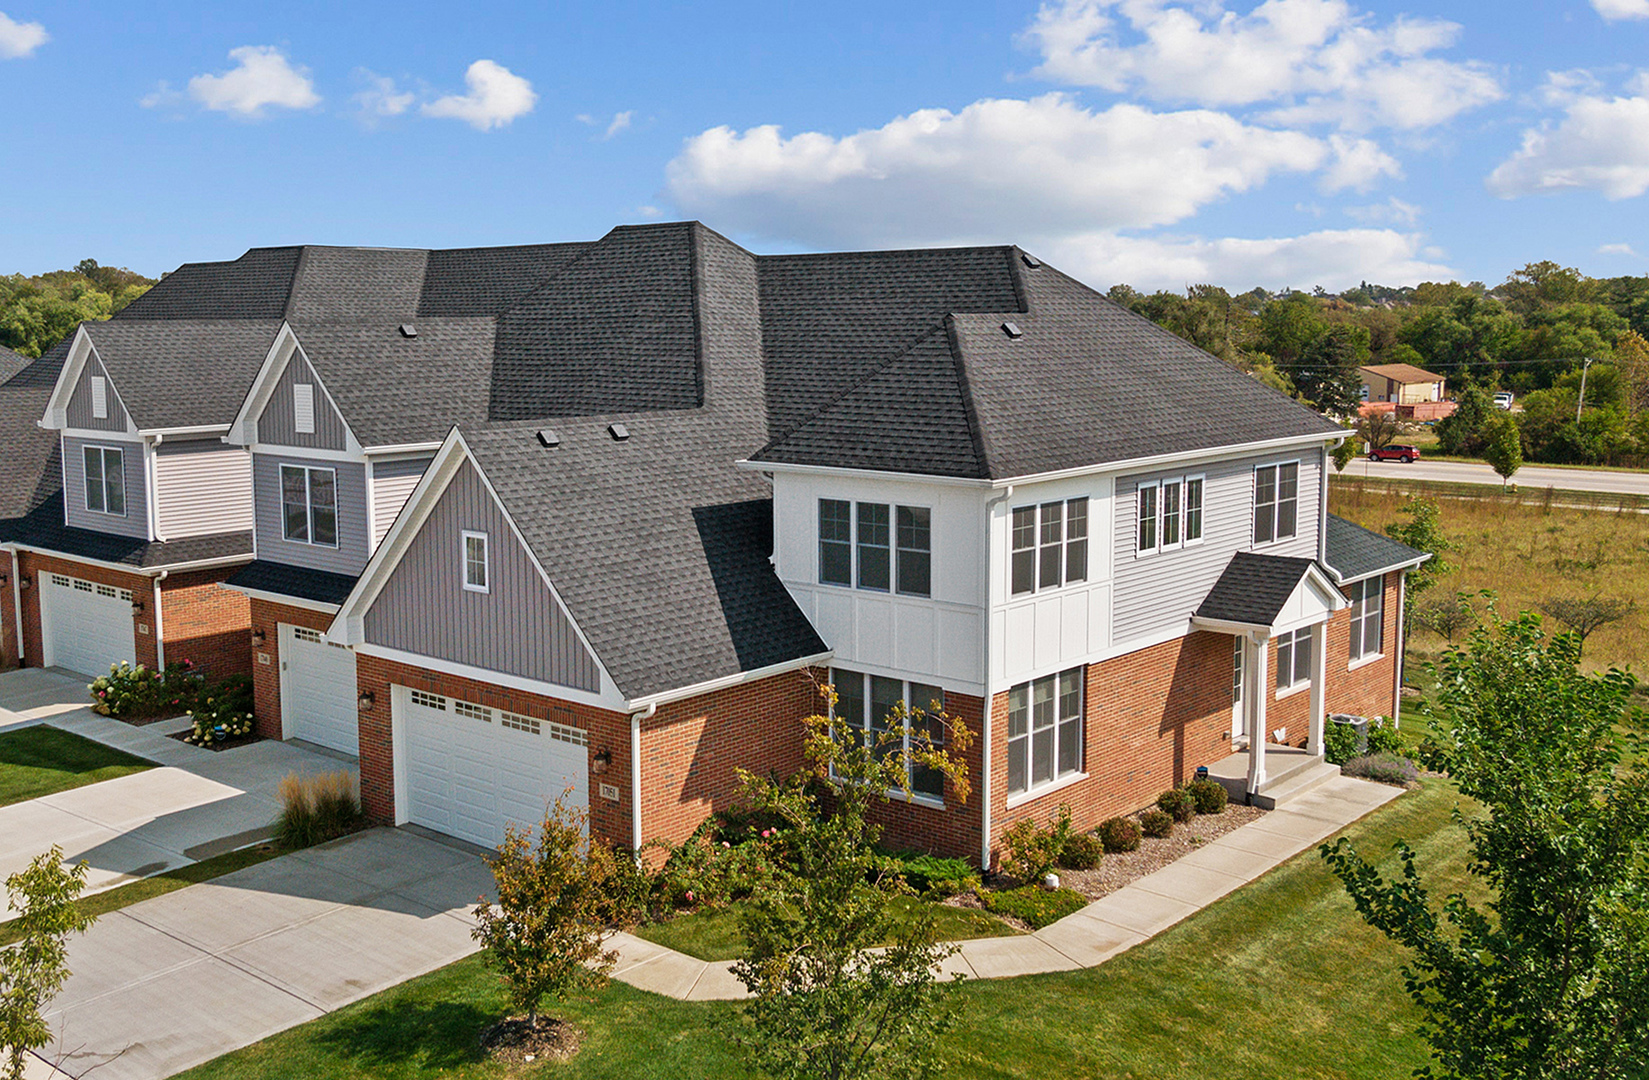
(17, 602)
(160, 624)
(1400, 632)
(985, 670)
(1322, 510)
(635, 775)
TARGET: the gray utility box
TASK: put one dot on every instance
(1356, 723)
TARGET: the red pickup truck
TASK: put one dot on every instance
(1396, 452)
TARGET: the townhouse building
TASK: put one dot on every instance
(592, 521)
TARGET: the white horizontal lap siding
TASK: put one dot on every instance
(392, 484)
(202, 488)
(1158, 592)
(135, 523)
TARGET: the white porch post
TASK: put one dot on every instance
(1319, 688)
(1256, 690)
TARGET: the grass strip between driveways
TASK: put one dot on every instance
(1281, 979)
(41, 760)
(160, 884)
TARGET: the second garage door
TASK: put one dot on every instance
(471, 770)
(318, 690)
(85, 626)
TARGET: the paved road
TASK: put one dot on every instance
(1529, 476)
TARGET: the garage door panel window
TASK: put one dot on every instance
(309, 505)
(105, 480)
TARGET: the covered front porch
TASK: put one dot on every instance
(1291, 771)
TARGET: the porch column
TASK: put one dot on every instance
(1319, 689)
(1256, 690)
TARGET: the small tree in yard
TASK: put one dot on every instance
(824, 1005)
(1424, 532)
(1447, 616)
(1549, 978)
(545, 933)
(1586, 615)
(34, 969)
(1503, 446)
(1348, 449)
(1377, 429)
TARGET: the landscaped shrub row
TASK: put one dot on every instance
(1033, 904)
(222, 712)
(137, 693)
(1119, 834)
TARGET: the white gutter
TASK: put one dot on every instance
(873, 474)
(203, 429)
(635, 774)
(17, 602)
(1322, 507)
(283, 599)
(160, 624)
(404, 448)
(664, 697)
(991, 582)
(127, 568)
(1164, 460)
(151, 494)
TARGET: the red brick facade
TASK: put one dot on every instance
(265, 659)
(1367, 691)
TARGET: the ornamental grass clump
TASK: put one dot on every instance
(315, 809)
(1383, 768)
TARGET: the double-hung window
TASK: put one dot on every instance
(870, 703)
(476, 568)
(1293, 659)
(1276, 501)
(1368, 599)
(1169, 513)
(1044, 731)
(1050, 545)
(105, 479)
(309, 505)
(879, 547)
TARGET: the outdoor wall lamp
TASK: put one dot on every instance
(257, 639)
(26, 583)
(3, 580)
(602, 762)
(366, 700)
(137, 607)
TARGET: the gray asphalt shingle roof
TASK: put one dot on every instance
(11, 363)
(1354, 552)
(320, 586)
(44, 529)
(175, 373)
(1253, 588)
(486, 281)
(32, 472)
(254, 286)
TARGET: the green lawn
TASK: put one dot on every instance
(714, 934)
(1280, 979)
(41, 760)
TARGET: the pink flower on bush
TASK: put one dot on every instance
(689, 896)
(766, 833)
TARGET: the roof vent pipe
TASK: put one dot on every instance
(1030, 260)
(408, 330)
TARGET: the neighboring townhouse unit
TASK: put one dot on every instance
(593, 521)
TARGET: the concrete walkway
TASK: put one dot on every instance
(1099, 931)
(164, 985)
(197, 804)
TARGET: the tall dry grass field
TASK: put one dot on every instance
(1528, 547)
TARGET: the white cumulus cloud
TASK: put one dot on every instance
(381, 98)
(1359, 164)
(1601, 144)
(996, 169)
(262, 77)
(19, 39)
(1614, 10)
(1305, 61)
(1616, 249)
(496, 96)
(1333, 258)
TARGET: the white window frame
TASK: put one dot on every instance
(896, 585)
(1201, 480)
(103, 464)
(100, 398)
(1155, 487)
(1181, 485)
(464, 561)
(303, 408)
(1275, 504)
(309, 505)
(1025, 741)
(1360, 618)
(863, 722)
(1290, 640)
(1040, 547)
(835, 541)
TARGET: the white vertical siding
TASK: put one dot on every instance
(392, 484)
(202, 487)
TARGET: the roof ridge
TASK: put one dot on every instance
(981, 445)
(885, 251)
(292, 286)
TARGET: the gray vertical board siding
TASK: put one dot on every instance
(392, 484)
(80, 401)
(277, 426)
(354, 544)
(136, 521)
(202, 487)
(1158, 592)
(517, 628)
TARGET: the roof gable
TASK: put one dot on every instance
(1270, 592)
(81, 411)
(180, 374)
(276, 420)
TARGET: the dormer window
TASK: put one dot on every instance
(100, 398)
(309, 505)
(105, 480)
(303, 408)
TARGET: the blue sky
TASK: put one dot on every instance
(1292, 143)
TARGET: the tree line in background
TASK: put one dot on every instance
(1532, 335)
(38, 312)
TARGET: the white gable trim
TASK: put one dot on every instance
(349, 628)
(1314, 600)
(243, 431)
(56, 417)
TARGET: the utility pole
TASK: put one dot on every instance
(1587, 366)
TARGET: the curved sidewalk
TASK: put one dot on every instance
(1104, 928)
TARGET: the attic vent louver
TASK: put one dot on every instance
(1030, 260)
(618, 431)
(1012, 330)
(548, 438)
(408, 330)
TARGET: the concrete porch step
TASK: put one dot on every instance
(1300, 779)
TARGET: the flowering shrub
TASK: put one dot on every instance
(1032, 850)
(703, 871)
(222, 712)
(128, 691)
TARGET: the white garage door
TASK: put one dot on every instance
(318, 690)
(471, 770)
(85, 626)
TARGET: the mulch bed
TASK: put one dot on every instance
(221, 744)
(513, 1042)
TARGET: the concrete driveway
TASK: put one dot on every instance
(197, 804)
(164, 985)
